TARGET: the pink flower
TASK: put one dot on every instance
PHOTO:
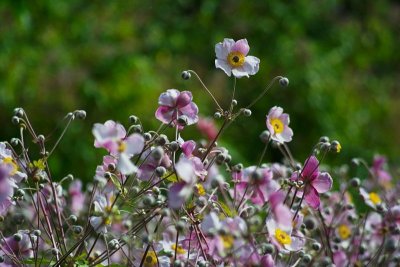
(312, 182)
(281, 236)
(22, 248)
(147, 168)
(180, 191)
(232, 58)
(174, 104)
(77, 196)
(257, 185)
(207, 127)
(112, 136)
(378, 169)
(280, 211)
(7, 186)
(278, 125)
(187, 148)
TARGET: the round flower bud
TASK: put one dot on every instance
(234, 102)
(186, 75)
(113, 244)
(316, 246)
(284, 82)
(324, 139)
(161, 140)
(335, 146)
(147, 136)
(306, 258)
(148, 200)
(137, 128)
(220, 158)
(155, 190)
(165, 212)
(180, 225)
(247, 112)
(325, 146)
(256, 176)
(228, 158)
(310, 223)
(77, 229)
(111, 167)
(133, 119)
(157, 153)
(41, 138)
(72, 218)
(174, 146)
(160, 171)
(268, 248)
(391, 245)
(17, 237)
(183, 120)
(107, 175)
(202, 263)
(264, 136)
(81, 114)
(14, 141)
(178, 263)
(15, 120)
(19, 193)
(238, 167)
(19, 112)
(355, 182)
(217, 115)
(1, 258)
(147, 239)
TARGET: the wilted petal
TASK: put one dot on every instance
(322, 183)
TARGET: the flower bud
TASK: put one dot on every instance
(264, 136)
(355, 182)
(14, 141)
(15, 120)
(183, 120)
(160, 171)
(55, 251)
(137, 128)
(77, 229)
(72, 218)
(247, 112)
(147, 136)
(17, 237)
(133, 119)
(284, 82)
(174, 146)
(316, 246)
(186, 75)
(234, 102)
(161, 140)
(217, 115)
(306, 258)
(19, 112)
(157, 153)
(80, 114)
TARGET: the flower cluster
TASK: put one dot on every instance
(160, 199)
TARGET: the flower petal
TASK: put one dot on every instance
(223, 65)
(310, 168)
(322, 183)
(169, 98)
(311, 197)
(241, 46)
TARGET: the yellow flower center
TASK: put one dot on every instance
(227, 241)
(344, 231)
(200, 190)
(374, 197)
(107, 220)
(278, 125)
(282, 237)
(10, 161)
(179, 249)
(150, 260)
(235, 59)
(121, 146)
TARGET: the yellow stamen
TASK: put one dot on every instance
(179, 249)
(11, 161)
(121, 146)
(107, 221)
(227, 241)
(282, 237)
(278, 125)
(235, 59)
(150, 260)
(200, 190)
(374, 197)
(344, 231)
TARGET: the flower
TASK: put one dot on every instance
(103, 212)
(173, 105)
(278, 125)
(22, 247)
(372, 199)
(312, 182)
(7, 186)
(180, 191)
(281, 236)
(257, 185)
(112, 136)
(232, 58)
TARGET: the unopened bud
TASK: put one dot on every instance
(133, 119)
(80, 114)
(186, 75)
(284, 82)
(247, 112)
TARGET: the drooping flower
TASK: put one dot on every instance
(232, 58)
(112, 136)
(312, 182)
(278, 125)
(174, 105)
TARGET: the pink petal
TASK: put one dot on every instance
(169, 98)
(190, 111)
(184, 99)
(241, 46)
(188, 147)
(175, 199)
(311, 168)
(322, 183)
(311, 197)
(165, 114)
(134, 144)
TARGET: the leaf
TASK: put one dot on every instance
(227, 210)
(171, 177)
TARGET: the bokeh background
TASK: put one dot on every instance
(114, 58)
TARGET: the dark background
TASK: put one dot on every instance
(114, 58)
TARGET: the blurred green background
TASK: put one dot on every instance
(114, 58)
